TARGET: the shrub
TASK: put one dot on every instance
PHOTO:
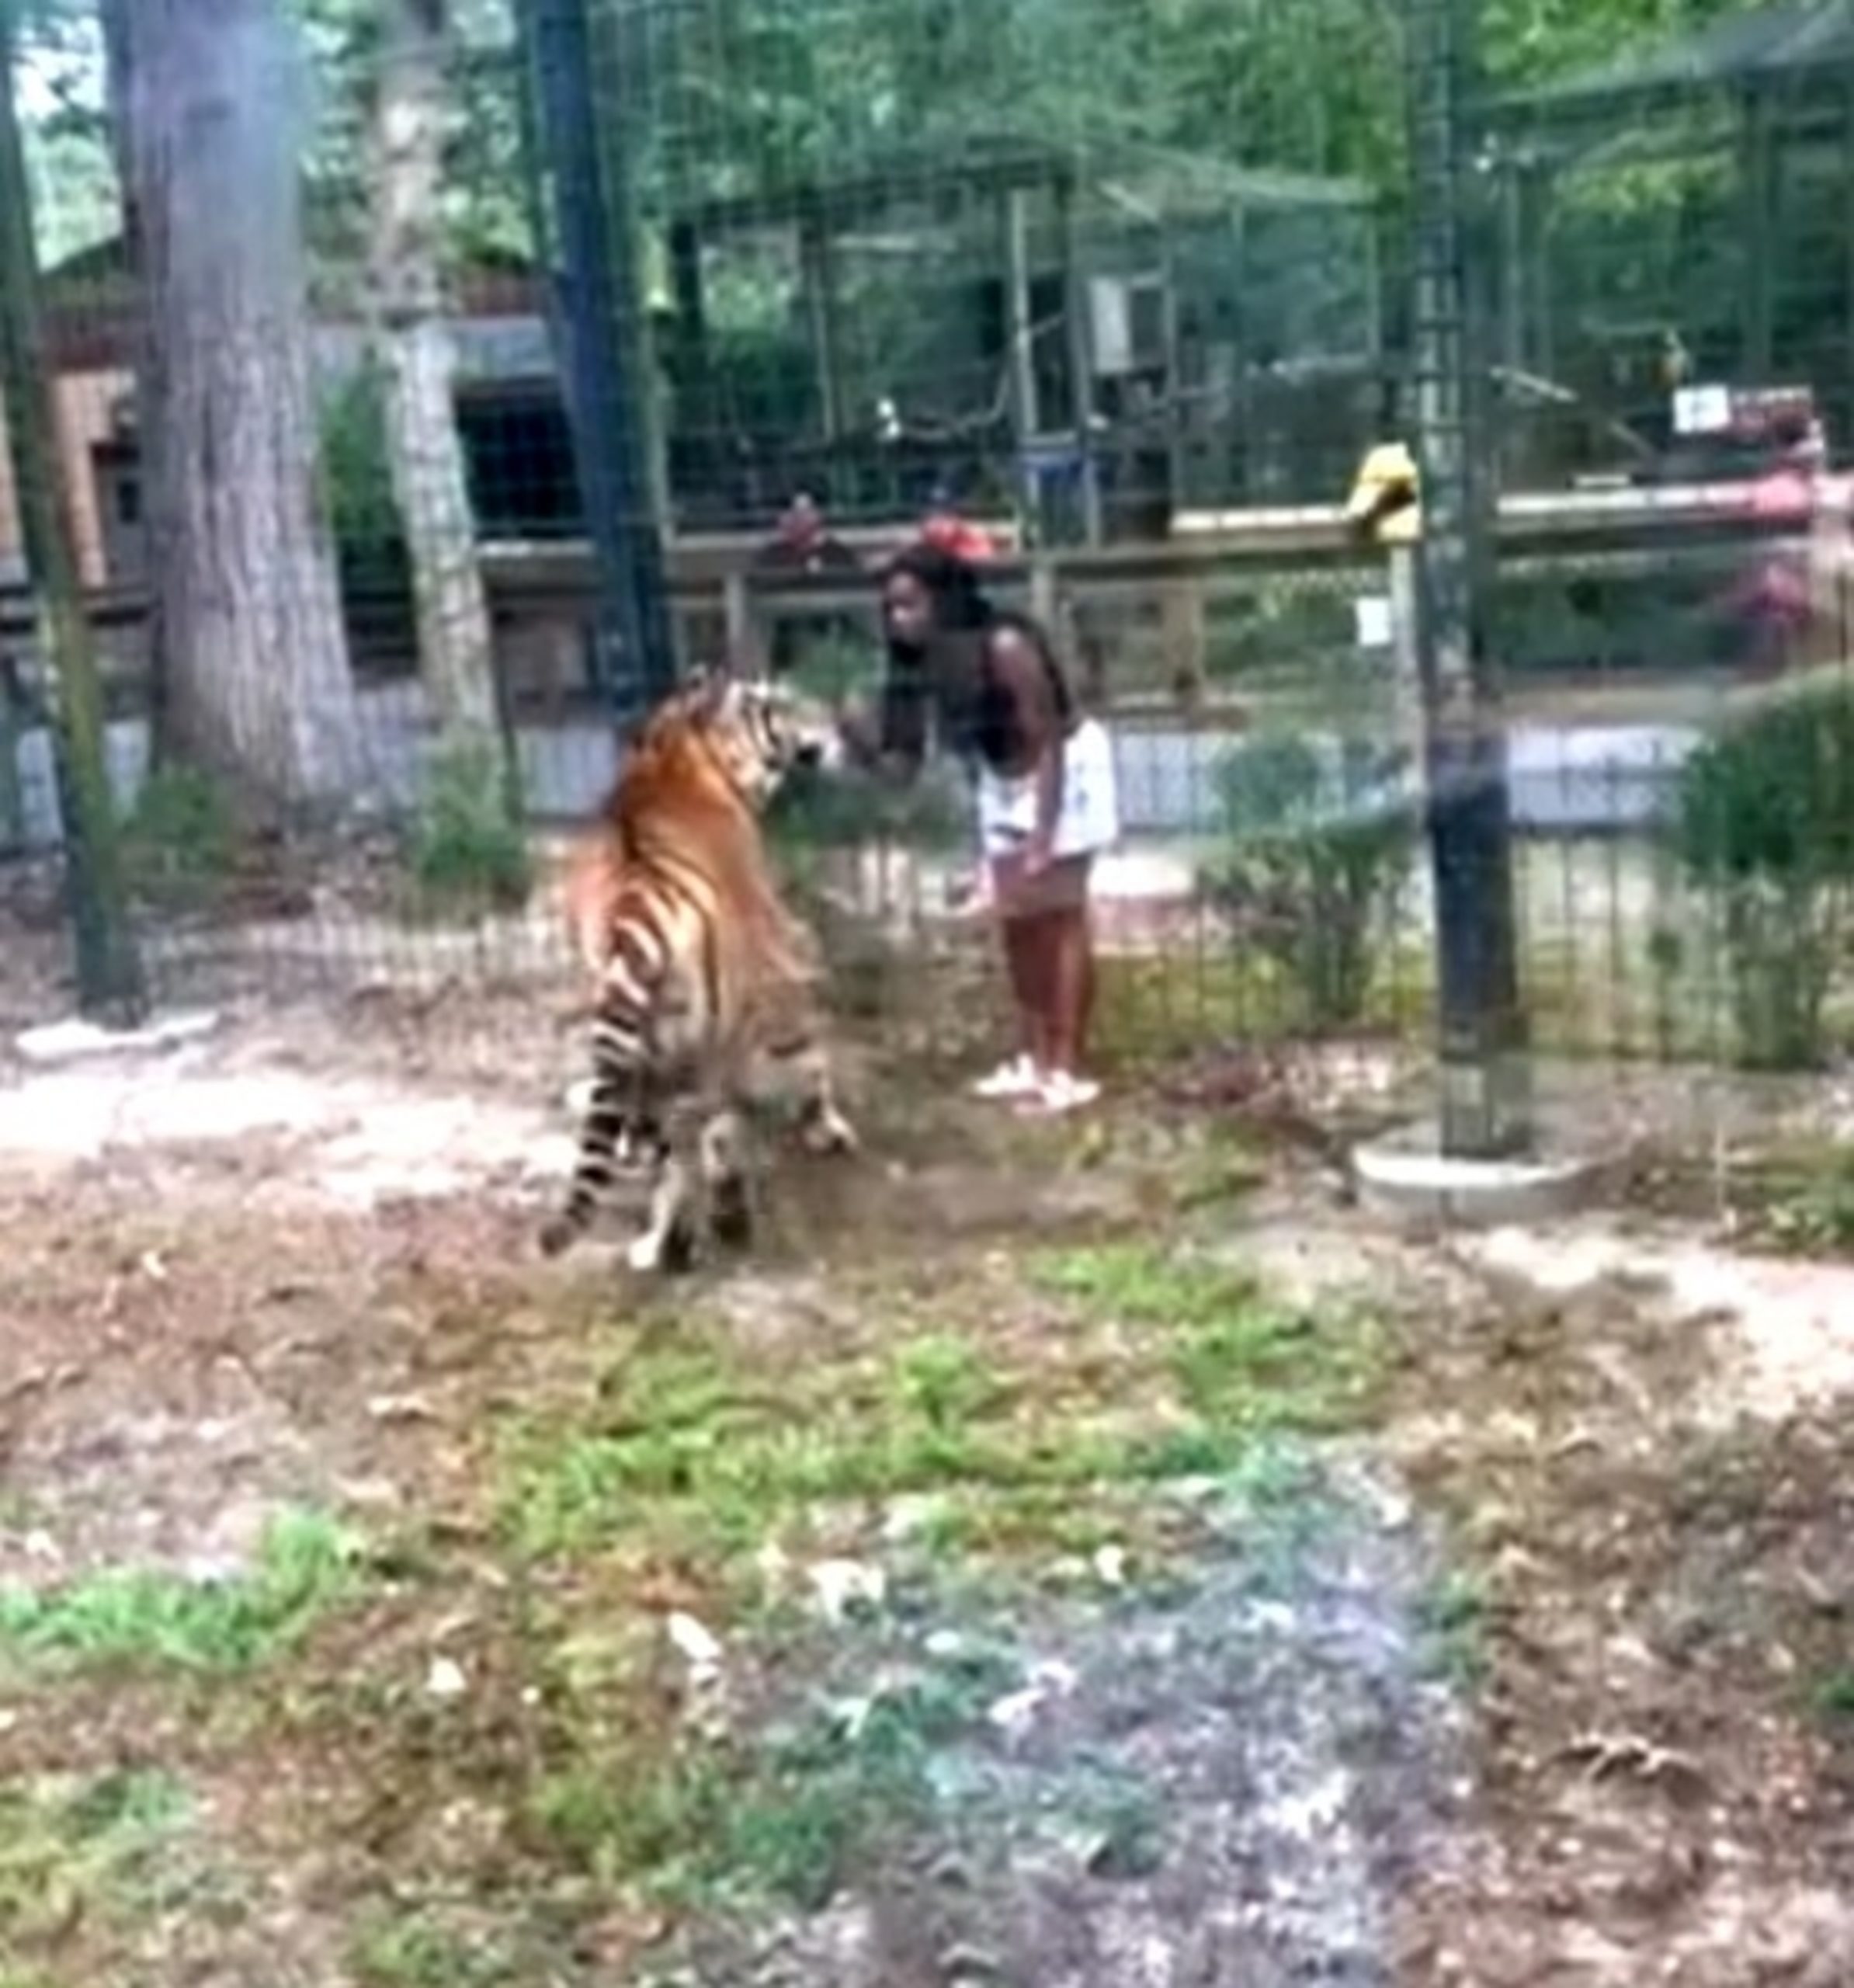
(1315, 855)
(1763, 820)
(180, 838)
(820, 811)
(466, 841)
(353, 463)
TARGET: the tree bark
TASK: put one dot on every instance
(255, 678)
(418, 361)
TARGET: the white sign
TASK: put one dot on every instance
(1372, 613)
(1702, 410)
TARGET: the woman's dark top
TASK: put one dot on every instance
(960, 699)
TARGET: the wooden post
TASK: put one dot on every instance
(1406, 660)
(1175, 402)
(745, 651)
(1043, 597)
(1846, 421)
(1757, 169)
(1182, 625)
(817, 264)
(1244, 492)
(1081, 359)
(1021, 372)
(688, 345)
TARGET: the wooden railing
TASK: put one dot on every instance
(722, 602)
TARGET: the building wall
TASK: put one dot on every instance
(85, 404)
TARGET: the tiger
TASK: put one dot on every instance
(699, 970)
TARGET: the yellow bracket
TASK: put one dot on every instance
(1385, 505)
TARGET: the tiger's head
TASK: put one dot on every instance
(759, 730)
(695, 774)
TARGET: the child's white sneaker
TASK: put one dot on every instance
(1019, 1078)
(1061, 1090)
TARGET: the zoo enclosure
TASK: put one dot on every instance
(844, 262)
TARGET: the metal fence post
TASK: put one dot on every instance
(598, 305)
(1485, 1104)
(109, 979)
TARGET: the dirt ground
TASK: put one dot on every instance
(379, 1605)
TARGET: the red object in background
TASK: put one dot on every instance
(952, 533)
(1782, 494)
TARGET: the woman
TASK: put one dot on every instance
(990, 682)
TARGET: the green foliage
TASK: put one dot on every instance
(832, 665)
(1763, 821)
(467, 845)
(1205, 1365)
(776, 1820)
(69, 1847)
(307, 1565)
(1833, 1696)
(415, 1949)
(181, 837)
(1453, 1623)
(1313, 863)
(355, 463)
(1805, 1205)
(813, 813)
(1237, 1357)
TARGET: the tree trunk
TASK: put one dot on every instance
(415, 347)
(256, 683)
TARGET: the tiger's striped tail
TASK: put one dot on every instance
(620, 1125)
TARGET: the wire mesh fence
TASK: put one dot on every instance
(1122, 295)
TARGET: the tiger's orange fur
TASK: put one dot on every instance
(673, 908)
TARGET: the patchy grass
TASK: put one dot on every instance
(1834, 1698)
(885, 1738)
(844, 1772)
(418, 1949)
(1454, 1621)
(1016, 1422)
(490, 1772)
(1149, 1368)
(1228, 1165)
(180, 842)
(71, 1847)
(1801, 1200)
(467, 848)
(1165, 1008)
(1237, 1357)
(306, 1565)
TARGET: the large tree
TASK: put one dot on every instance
(252, 659)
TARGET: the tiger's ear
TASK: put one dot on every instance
(754, 670)
(707, 688)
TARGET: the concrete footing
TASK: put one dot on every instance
(1407, 1175)
(70, 1041)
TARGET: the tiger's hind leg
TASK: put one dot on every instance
(634, 1145)
(823, 1129)
(620, 1132)
(726, 1180)
(667, 1242)
(606, 1119)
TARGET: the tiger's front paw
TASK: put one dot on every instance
(829, 1132)
(652, 1254)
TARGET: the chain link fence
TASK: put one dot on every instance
(599, 333)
